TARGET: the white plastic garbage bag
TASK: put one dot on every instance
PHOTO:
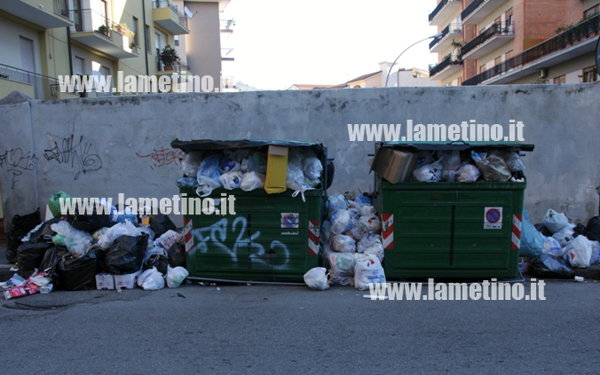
(367, 210)
(341, 264)
(358, 231)
(578, 252)
(312, 168)
(335, 203)
(595, 257)
(252, 181)
(368, 241)
(343, 244)
(229, 164)
(175, 276)
(151, 279)
(77, 241)
(467, 173)
(316, 278)
(565, 235)
(341, 222)
(368, 270)
(231, 180)
(377, 250)
(208, 175)
(168, 239)
(428, 172)
(373, 223)
(339, 280)
(553, 247)
(118, 230)
(555, 221)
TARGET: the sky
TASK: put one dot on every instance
(278, 43)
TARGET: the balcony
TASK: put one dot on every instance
(576, 41)
(444, 10)
(226, 26)
(489, 40)
(478, 10)
(446, 68)
(165, 14)
(227, 54)
(34, 85)
(98, 32)
(48, 14)
(451, 33)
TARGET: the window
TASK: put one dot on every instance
(147, 35)
(497, 60)
(508, 54)
(136, 36)
(590, 74)
(509, 17)
(176, 40)
(590, 12)
(560, 79)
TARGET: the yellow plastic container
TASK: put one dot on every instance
(276, 169)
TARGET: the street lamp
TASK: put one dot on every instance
(436, 36)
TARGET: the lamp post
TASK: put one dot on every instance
(436, 36)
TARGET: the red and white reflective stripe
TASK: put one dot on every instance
(388, 231)
(187, 234)
(516, 232)
(314, 236)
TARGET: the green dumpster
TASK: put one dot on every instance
(269, 238)
(450, 230)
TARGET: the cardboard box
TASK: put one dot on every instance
(105, 281)
(276, 169)
(126, 281)
(394, 165)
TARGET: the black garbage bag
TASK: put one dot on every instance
(177, 255)
(90, 223)
(30, 255)
(51, 259)
(578, 230)
(126, 254)
(547, 266)
(159, 261)
(592, 230)
(21, 225)
(160, 224)
(76, 273)
(543, 230)
(44, 233)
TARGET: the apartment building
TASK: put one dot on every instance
(42, 39)
(515, 41)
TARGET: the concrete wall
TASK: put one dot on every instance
(102, 147)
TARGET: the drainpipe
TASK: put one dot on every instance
(145, 37)
(70, 53)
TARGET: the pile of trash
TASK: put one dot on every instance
(556, 247)
(494, 165)
(353, 249)
(111, 250)
(246, 169)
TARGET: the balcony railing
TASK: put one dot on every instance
(437, 9)
(226, 24)
(87, 20)
(61, 8)
(454, 27)
(561, 41)
(44, 87)
(158, 4)
(499, 28)
(471, 7)
(179, 67)
(450, 60)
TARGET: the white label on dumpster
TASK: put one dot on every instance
(290, 220)
(492, 218)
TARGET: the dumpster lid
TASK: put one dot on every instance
(211, 144)
(455, 145)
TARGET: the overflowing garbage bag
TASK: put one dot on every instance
(175, 276)
(316, 278)
(126, 254)
(368, 270)
(151, 279)
(30, 255)
(555, 222)
(76, 273)
(21, 225)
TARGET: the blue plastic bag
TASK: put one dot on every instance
(532, 241)
(208, 175)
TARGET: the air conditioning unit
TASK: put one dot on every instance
(544, 73)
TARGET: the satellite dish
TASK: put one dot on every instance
(188, 12)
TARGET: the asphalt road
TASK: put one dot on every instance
(293, 330)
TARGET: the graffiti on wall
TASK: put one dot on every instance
(214, 237)
(16, 162)
(76, 152)
(160, 157)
